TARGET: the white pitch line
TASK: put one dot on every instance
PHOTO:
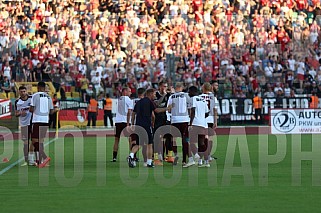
(21, 159)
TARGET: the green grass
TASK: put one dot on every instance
(113, 187)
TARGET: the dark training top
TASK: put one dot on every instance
(143, 109)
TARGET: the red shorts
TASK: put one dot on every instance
(39, 130)
(300, 77)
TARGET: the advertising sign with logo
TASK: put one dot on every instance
(5, 109)
(295, 121)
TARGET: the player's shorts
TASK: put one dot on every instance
(200, 132)
(150, 136)
(183, 129)
(39, 130)
(210, 129)
(119, 128)
(25, 133)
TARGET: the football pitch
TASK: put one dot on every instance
(253, 173)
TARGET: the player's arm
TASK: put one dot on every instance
(153, 119)
(133, 117)
(192, 115)
(17, 112)
(169, 102)
(51, 107)
(129, 113)
(32, 104)
(168, 108)
(215, 117)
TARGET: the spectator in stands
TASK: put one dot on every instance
(89, 92)
(5, 85)
(140, 35)
(287, 90)
(269, 93)
(278, 89)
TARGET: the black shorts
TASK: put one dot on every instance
(25, 133)
(149, 131)
(39, 130)
(119, 128)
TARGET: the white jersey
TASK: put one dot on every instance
(135, 100)
(179, 112)
(124, 104)
(201, 109)
(24, 105)
(42, 104)
(212, 104)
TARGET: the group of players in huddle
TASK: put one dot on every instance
(156, 118)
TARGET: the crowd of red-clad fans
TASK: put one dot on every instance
(99, 46)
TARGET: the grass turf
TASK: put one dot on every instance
(102, 186)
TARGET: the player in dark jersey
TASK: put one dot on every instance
(162, 97)
(142, 116)
(140, 94)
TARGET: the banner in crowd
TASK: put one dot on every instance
(295, 121)
(241, 109)
(230, 109)
(5, 109)
(75, 113)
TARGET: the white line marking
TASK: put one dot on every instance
(21, 159)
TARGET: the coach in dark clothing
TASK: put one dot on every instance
(143, 114)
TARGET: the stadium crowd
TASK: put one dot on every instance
(100, 46)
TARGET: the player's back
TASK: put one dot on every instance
(42, 104)
(201, 109)
(179, 112)
(124, 104)
(143, 109)
(211, 101)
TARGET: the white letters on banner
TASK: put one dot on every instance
(233, 109)
(5, 109)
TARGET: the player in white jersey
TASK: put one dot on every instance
(212, 104)
(122, 120)
(198, 125)
(179, 119)
(22, 105)
(41, 106)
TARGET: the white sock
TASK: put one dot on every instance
(160, 157)
(149, 161)
(196, 155)
(31, 156)
(131, 155)
(200, 161)
(190, 159)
